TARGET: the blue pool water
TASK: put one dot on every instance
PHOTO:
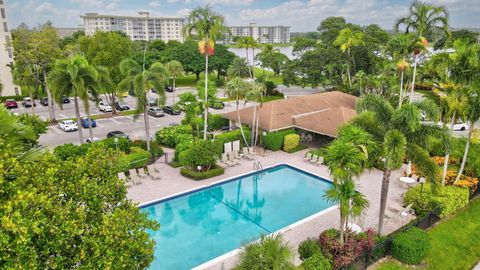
(204, 224)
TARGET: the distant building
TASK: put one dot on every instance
(142, 27)
(262, 34)
(6, 56)
(67, 32)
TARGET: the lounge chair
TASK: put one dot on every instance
(226, 161)
(141, 172)
(154, 172)
(319, 160)
(396, 214)
(314, 159)
(251, 150)
(237, 155)
(124, 178)
(308, 157)
(246, 154)
(231, 158)
(134, 177)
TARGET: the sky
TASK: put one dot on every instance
(301, 15)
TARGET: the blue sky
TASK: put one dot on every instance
(301, 15)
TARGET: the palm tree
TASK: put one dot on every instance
(175, 69)
(247, 43)
(347, 39)
(255, 94)
(73, 77)
(104, 84)
(16, 136)
(239, 68)
(345, 162)
(141, 80)
(237, 89)
(208, 26)
(400, 135)
(427, 20)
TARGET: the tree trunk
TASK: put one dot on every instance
(114, 110)
(256, 129)
(383, 198)
(173, 88)
(413, 79)
(197, 75)
(252, 133)
(447, 156)
(401, 90)
(33, 102)
(240, 124)
(348, 71)
(465, 153)
(90, 129)
(51, 111)
(342, 228)
(248, 63)
(147, 126)
(77, 114)
(205, 121)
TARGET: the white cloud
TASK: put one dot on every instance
(154, 4)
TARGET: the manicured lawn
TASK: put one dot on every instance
(455, 242)
(190, 79)
(258, 72)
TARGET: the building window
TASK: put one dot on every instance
(17, 92)
(3, 13)
(5, 26)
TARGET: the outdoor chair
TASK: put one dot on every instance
(231, 158)
(222, 164)
(227, 161)
(154, 172)
(134, 177)
(319, 160)
(236, 155)
(251, 150)
(396, 214)
(124, 178)
(246, 154)
(313, 159)
(141, 173)
(308, 157)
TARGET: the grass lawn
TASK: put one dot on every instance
(258, 72)
(190, 79)
(455, 242)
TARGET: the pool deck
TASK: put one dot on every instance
(173, 182)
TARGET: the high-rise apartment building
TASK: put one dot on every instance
(6, 56)
(142, 27)
(262, 34)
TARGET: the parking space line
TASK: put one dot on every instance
(116, 121)
(63, 115)
(56, 129)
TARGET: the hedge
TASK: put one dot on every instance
(290, 142)
(16, 98)
(449, 199)
(216, 122)
(69, 150)
(308, 248)
(136, 159)
(234, 135)
(412, 246)
(201, 175)
(171, 136)
(274, 140)
(155, 149)
(317, 262)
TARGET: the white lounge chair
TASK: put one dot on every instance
(124, 178)
(313, 159)
(225, 160)
(308, 157)
(231, 157)
(251, 150)
(154, 171)
(141, 172)
(246, 154)
(319, 160)
(397, 215)
(134, 177)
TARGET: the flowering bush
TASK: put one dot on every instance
(354, 246)
(465, 181)
(441, 160)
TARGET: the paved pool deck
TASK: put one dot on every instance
(173, 182)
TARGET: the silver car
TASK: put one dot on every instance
(155, 112)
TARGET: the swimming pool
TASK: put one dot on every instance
(201, 225)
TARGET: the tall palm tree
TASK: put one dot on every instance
(400, 135)
(346, 40)
(141, 80)
(239, 68)
(427, 20)
(237, 89)
(73, 77)
(256, 93)
(175, 69)
(345, 162)
(208, 26)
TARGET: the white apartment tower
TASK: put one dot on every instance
(142, 27)
(6, 56)
(262, 34)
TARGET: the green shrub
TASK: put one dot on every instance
(290, 142)
(136, 159)
(308, 248)
(69, 150)
(270, 87)
(317, 262)
(16, 98)
(219, 82)
(200, 156)
(274, 140)
(180, 148)
(155, 149)
(171, 136)
(212, 172)
(122, 145)
(411, 246)
(216, 122)
(234, 135)
(448, 200)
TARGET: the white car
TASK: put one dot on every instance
(68, 125)
(459, 126)
(92, 140)
(104, 107)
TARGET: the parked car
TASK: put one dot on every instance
(68, 125)
(170, 110)
(104, 107)
(65, 99)
(28, 102)
(11, 104)
(92, 140)
(44, 101)
(155, 112)
(117, 134)
(217, 105)
(229, 128)
(459, 126)
(121, 106)
(153, 90)
(152, 102)
(168, 88)
(84, 122)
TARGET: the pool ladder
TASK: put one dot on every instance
(257, 166)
